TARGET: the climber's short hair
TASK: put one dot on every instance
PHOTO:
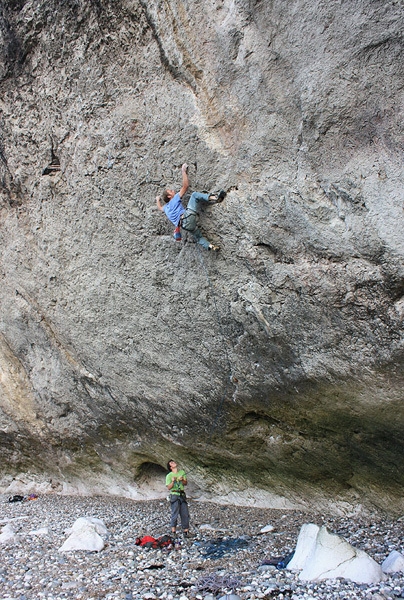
(164, 196)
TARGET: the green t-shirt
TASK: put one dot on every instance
(178, 486)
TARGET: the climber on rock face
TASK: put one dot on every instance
(186, 218)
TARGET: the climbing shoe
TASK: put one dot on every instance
(177, 234)
(216, 198)
(214, 248)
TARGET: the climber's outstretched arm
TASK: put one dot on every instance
(185, 181)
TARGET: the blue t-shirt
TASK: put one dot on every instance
(174, 209)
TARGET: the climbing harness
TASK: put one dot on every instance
(188, 220)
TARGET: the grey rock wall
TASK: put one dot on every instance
(273, 369)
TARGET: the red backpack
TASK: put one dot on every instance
(164, 541)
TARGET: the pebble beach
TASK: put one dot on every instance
(32, 566)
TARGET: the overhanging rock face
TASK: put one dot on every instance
(273, 368)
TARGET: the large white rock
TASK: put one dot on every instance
(324, 555)
(7, 535)
(305, 545)
(85, 535)
(98, 525)
(394, 563)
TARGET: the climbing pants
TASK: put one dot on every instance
(189, 218)
(179, 507)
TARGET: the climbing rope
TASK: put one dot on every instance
(229, 379)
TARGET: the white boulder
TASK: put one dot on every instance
(394, 563)
(7, 535)
(85, 535)
(305, 545)
(324, 555)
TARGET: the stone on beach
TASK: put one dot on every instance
(324, 555)
(85, 535)
(305, 545)
(40, 531)
(7, 535)
(394, 563)
(267, 529)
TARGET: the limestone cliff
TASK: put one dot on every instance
(273, 369)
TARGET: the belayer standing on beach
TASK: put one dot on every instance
(186, 218)
(175, 482)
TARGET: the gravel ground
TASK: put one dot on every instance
(33, 567)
